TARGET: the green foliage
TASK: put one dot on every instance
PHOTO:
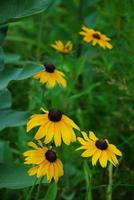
(52, 192)
(12, 10)
(99, 95)
(15, 177)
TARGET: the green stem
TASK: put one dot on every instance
(38, 189)
(31, 190)
(110, 182)
(88, 177)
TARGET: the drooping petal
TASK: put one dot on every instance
(103, 159)
(67, 120)
(57, 135)
(96, 156)
(32, 171)
(114, 149)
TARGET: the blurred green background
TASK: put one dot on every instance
(99, 96)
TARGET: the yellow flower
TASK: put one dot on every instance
(51, 76)
(45, 160)
(61, 47)
(95, 37)
(98, 149)
(54, 125)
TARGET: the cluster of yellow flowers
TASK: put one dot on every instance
(55, 127)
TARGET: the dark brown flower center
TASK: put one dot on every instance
(96, 36)
(51, 156)
(101, 144)
(49, 67)
(55, 115)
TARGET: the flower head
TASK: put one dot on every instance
(61, 47)
(54, 125)
(95, 37)
(45, 160)
(51, 76)
(98, 149)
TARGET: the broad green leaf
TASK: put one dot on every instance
(15, 177)
(52, 192)
(5, 99)
(1, 59)
(5, 152)
(11, 58)
(13, 10)
(11, 118)
(3, 32)
(9, 74)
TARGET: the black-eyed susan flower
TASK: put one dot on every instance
(54, 125)
(51, 76)
(45, 161)
(95, 37)
(61, 47)
(99, 149)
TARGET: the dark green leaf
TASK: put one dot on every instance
(12, 10)
(11, 118)
(1, 59)
(15, 177)
(5, 152)
(52, 192)
(3, 32)
(27, 71)
(5, 99)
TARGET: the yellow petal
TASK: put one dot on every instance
(92, 136)
(42, 170)
(96, 156)
(103, 159)
(88, 152)
(114, 149)
(50, 133)
(65, 133)
(67, 120)
(57, 135)
(56, 172)
(85, 136)
(33, 171)
(51, 171)
(32, 144)
(34, 156)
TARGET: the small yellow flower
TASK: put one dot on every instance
(54, 125)
(51, 76)
(98, 149)
(95, 37)
(45, 160)
(61, 47)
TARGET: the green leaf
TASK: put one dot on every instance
(1, 59)
(11, 58)
(11, 118)
(13, 10)
(52, 192)
(5, 152)
(15, 177)
(3, 32)
(9, 74)
(5, 99)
